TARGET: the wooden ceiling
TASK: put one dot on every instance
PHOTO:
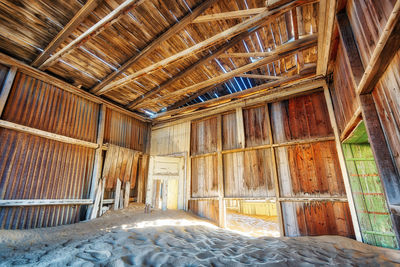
(152, 56)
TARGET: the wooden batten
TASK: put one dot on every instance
(5, 91)
(43, 202)
(229, 15)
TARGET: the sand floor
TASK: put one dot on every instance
(174, 238)
(252, 225)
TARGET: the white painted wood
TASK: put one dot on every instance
(5, 91)
(342, 163)
(117, 194)
(41, 202)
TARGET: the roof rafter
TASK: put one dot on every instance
(250, 54)
(66, 31)
(108, 20)
(229, 15)
(280, 52)
(259, 76)
(237, 29)
(155, 43)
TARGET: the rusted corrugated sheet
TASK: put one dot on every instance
(343, 92)
(229, 131)
(300, 118)
(255, 126)
(32, 167)
(387, 100)
(204, 136)
(40, 105)
(317, 218)
(125, 131)
(368, 19)
(120, 163)
(205, 208)
(248, 174)
(310, 170)
(204, 176)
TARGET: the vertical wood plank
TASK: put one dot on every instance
(98, 160)
(240, 127)
(117, 194)
(275, 176)
(188, 167)
(97, 201)
(342, 163)
(5, 91)
(127, 193)
(222, 212)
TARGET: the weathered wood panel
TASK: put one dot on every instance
(205, 208)
(248, 174)
(317, 218)
(368, 19)
(387, 100)
(255, 126)
(125, 131)
(204, 136)
(3, 74)
(33, 167)
(229, 131)
(120, 163)
(309, 170)
(204, 176)
(40, 105)
(300, 118)
(343, 92)
(170, 140)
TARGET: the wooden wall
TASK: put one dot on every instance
(287, 146)
(40, 167)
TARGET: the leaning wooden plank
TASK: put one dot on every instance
(102, 196)
(121, 199)
(386, 48)
(237, 29)
(280, 52)
(41, 202)
(229, 15)
(117, 193)
(127, 193)
(155, 43)
(108, 20)
(5, 91)
(95, 210)
(48, 135)
(66, 31)
(272, 4)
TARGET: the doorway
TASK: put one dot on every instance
(368, 194)
(165, 188)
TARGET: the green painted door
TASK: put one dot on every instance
(369, 197)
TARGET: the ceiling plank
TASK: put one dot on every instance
(229, 15)
(386, 48)
(259, 76)
(66, 31)
(237, 29)
(188, 70)
(250, 54)
(280, 52)
(155, 43)
(108, 20)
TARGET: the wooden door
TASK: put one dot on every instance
(369, 196)
(169, 172)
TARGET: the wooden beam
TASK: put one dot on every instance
(387, 46)
(107, 21)
(237, 29)
(43, 202)
(66, 32)
(250, 54)
(342, 162)
(5, 91)
(350, 47)
(98, 162)
(326, 18)
(220, 173)
(48, 135)
(22, 67)
(272, 4)
(263, 95)
(240, 128)
(92, 214)
(387, 171)
(229, 15)
(258, 76)
(280, 52)
(155, 43)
